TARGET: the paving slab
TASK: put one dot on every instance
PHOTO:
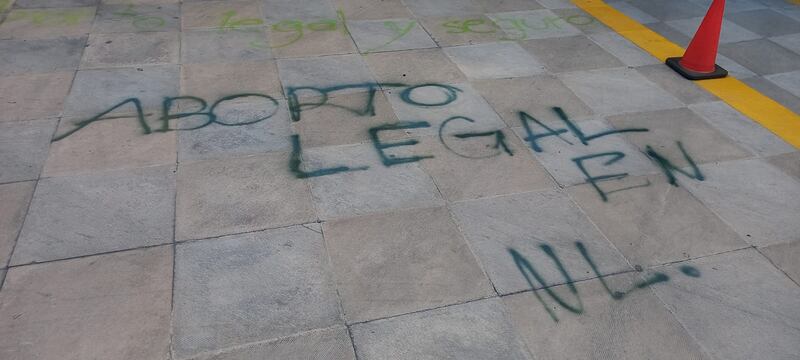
(224, 46)
(652, 222)
(414, 67)
(784, 256)
(298, 9)
(129, 18)
(618, 90)
(731, 33)
(229, 196)
(509, 5)
(495, 60)
(536, 96)
(96, 91)
(788, 163)
(249, 125)
(15, 197)
(461, 30)
(626, 51)
(734, 6)
(251, 287)
(389, 35)
(637, 326)
(556, 4)
(559, 154)
(473, 168)
(688, 92)
(33, 96)
(558, 54)
(735, 289)
(47, 23)
(221, 14)
(90, 214)
(766, 22)
(477, 330)
(115, 305)
(23, 149)
(532, 24)
(40, 56)
(762, 56)
(633, 12)
(434, 8)
(330, 343)
(324, 72)
(756, 199)
(298, 38)
(582, 21)
(53, 3)
(214, 81)
(402, 262)
(701, 142)
(666, 10)
(526, 222)
(114, 144)
(741, 130)
(371, 10)
(131, 49)
(360, 191)
(788, 81)
(791, 42)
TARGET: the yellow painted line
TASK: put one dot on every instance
(763, 110)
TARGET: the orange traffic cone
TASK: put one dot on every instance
(699, 61)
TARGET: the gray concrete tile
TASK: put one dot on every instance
(533, 24)
(228, 46)
(495, 60)
(788, 81)
(762, 56)
(774, 92)
(137, 18)
(655, 224)
(323, 72)
(91, 214)
(756, 199)
(338, 124)
(582, 20)
(791, 42)
(389, 35)
(633, 12)
(142, 2)
(670, 33)
(221, 14)
(788, 163)
(23, 149)
(251, 287)
(266, 129)
(666, 10)
(360, 192)
(277, 10)
(108, 145)
(461, 30)
(556, 4)
(15, 198)
(27, 4)
(766, 22)
(688, 92)
(414, 67)
(115, 305)
(40, 56)
(131, 49)
(731, 32)
(468, 102)
(620, 90)
(701, 142)
(734, 69)
(296, 38)
(558, 54)
(784, 257)
(220, 197)
(330, 343)
(477, 330)
(33, 96)
(214, 81)
(732, 290)
(47, 23)
(509, 5)
(96, 91)
(626, 51)
(435, 8)
(740, 129)
(402, 262)
(734, 6)
(558, 154)
(372, 10)
(525, 222)
(471, 168)
(542, 93)
(642, 327)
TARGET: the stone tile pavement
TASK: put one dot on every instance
(395, 179)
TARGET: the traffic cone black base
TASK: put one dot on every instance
(675, 64)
